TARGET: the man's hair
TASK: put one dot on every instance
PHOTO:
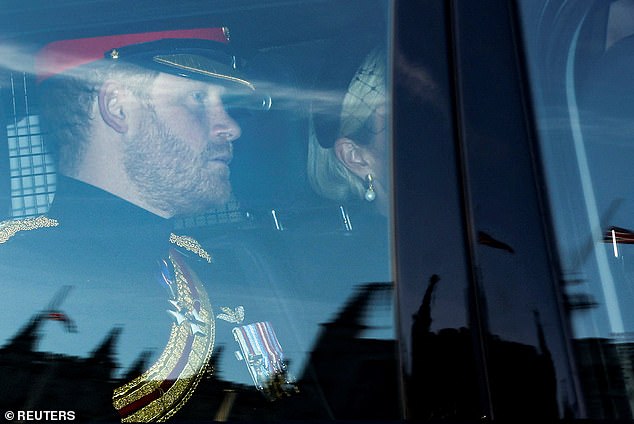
(68, 106)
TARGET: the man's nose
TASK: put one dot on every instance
(223, 127)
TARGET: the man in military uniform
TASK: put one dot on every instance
(143, 128)
(142, 131)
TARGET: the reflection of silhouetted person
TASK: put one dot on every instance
(422, 319)
(446, 379)
(442, 382)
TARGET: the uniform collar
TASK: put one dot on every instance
(77, 200)
(92, 213)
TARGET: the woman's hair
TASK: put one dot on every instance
(366, 93)
(67, 104)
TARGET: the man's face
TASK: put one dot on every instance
(179, 156)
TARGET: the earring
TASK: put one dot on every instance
(370, 195)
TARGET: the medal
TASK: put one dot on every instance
(264, 358)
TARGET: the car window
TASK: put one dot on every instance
(198, 211)
(579, 56)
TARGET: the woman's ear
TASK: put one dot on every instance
(353, 156)
(112, 105)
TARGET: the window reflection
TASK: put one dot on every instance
(582, 100)
(182, 288)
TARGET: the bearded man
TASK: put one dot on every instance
(142, 132)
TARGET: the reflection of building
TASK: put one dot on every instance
(446, 383)
(605, 370)
(34, 380)
(356, 377)
(626, 359)
(346, 377)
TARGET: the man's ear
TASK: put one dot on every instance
(353, 156)
(112, 105)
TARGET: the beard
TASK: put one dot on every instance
(172, 177)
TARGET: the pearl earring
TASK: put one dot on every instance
(370, 195)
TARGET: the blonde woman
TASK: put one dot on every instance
(352, 162)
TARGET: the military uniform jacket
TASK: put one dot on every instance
(113, 314)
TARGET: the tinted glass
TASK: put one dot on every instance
(580, 58)
(438, 340)
(197, 231)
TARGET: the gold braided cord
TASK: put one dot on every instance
(10, 228)
(152, 378)
(191, 245)
(201, 350)
(235, 316)
(173, 399)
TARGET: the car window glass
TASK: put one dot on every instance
(278, 299)
(579, 56)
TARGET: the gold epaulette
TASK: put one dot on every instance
(190, 244)
(11, 227)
